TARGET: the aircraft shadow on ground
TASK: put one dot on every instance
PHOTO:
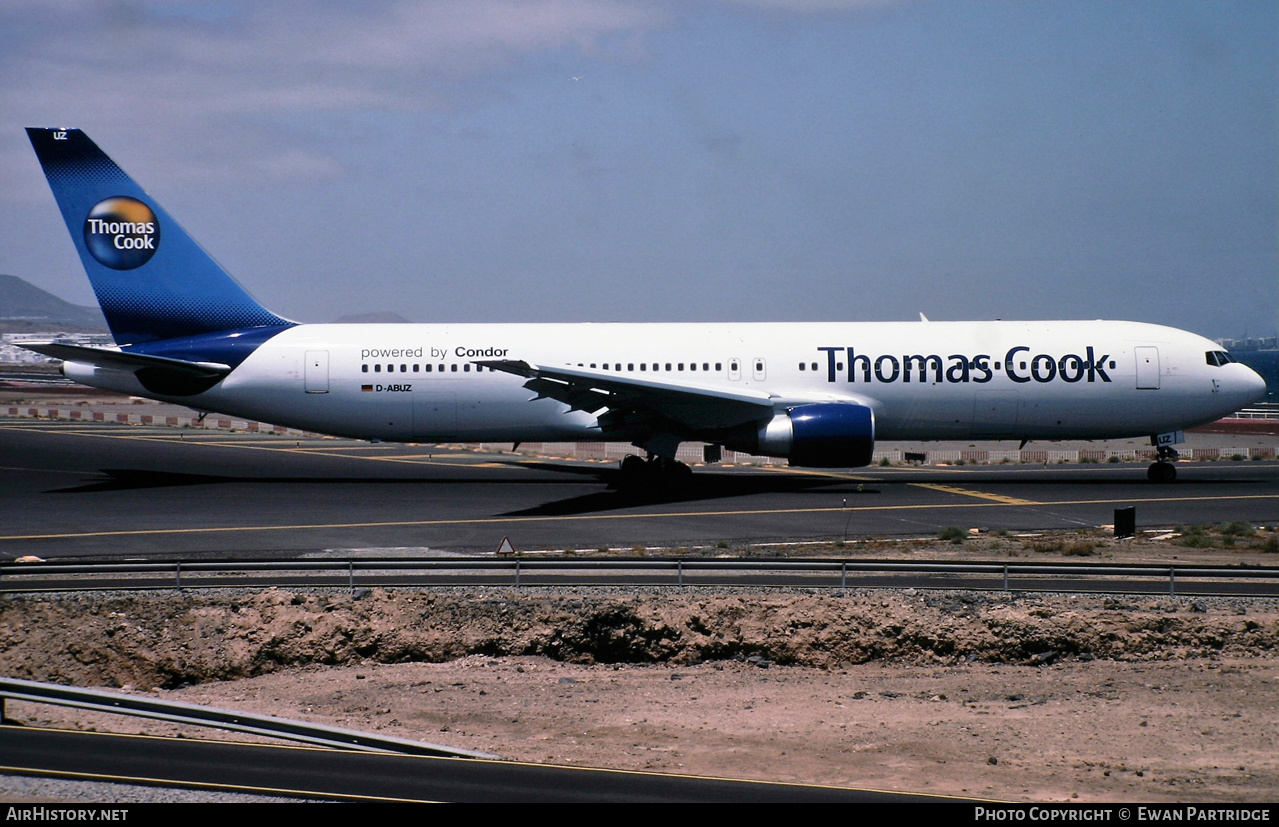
(699, 486)
(702, 485)
(615, 495)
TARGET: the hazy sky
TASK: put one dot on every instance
(573, 160)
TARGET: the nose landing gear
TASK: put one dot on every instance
(1163, 470)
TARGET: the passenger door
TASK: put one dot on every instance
(1147, 368)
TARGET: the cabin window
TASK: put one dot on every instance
(803, 366)
(453, 368)
(377, 368)
(719, 366)
(364, 368)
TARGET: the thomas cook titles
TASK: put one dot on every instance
(1021, 367)
(121, 233)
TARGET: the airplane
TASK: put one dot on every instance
(817, 394)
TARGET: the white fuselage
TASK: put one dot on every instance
(923, 380)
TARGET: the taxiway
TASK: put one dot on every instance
(75, 489)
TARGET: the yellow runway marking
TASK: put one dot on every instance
(41, 470)
(982, 495)
(604, 517)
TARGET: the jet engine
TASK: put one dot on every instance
(819, 435)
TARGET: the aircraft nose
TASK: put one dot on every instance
(1253, 386)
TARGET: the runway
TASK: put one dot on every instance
(75, 489)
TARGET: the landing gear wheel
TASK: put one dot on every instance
(1161, 472)
(652, 475)
(669, 470)
(633, 467)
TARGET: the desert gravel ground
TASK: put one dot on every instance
(1098, 731)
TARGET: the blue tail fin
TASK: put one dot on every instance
(151, 278)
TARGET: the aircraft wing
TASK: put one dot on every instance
(122, 360)
(689, 405)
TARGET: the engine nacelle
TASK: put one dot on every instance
(820, 435)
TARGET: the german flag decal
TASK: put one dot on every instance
(366, 388)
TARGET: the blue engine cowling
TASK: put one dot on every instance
(821, 435)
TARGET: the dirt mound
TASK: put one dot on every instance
(147, 640)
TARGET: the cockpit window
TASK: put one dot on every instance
(1218, 358)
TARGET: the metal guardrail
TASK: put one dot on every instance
(524, 572)
(100, 700)
(1257, 413)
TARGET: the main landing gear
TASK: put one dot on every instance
(1163, 470)
(653, 472)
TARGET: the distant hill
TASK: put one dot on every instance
(382, 317)
(25, 308)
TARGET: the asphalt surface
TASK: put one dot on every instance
(359, 776)
(96, 489)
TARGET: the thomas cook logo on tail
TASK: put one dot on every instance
(122, 232)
